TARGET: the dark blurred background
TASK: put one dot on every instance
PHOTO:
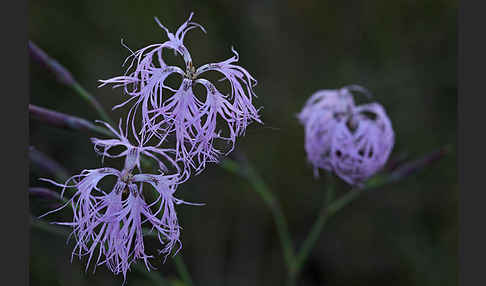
(403, 51)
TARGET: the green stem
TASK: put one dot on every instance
(318, 226)
(327, 212)
(377, 181)
(330, 208)
(182, 270)
(65, 77)
(262, 190)
(92, 101)
(331, 190)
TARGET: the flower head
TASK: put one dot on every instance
(107, 221)
(178, 112)
(352, 141)
(164, 157)
(179, 131)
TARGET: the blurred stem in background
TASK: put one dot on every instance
(330, 207)
(182, 270)
(243, 168)
(65, 121)
(46, 163)
(63, 76)
(262, 190)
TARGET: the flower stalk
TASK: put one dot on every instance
(48, 164)
(64, 121)
(331, 207)
(65, 77)
(182, 270)
(263, 191)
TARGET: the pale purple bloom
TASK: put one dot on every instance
(352, 141)
(107, 221)
(242, 84)
(92, 207)
(107, 226)
(164, 157)
(167, 111)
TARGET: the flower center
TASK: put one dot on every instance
(191, 71)
(126, 177)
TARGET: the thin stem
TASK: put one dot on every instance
(376, 182)
(182, 270)
(65, 77)
(318, 226)
(91, 100)
(262, 190)
(48, 164)
(65, 121)
(331, 189)
(295, 263)
(62, 120)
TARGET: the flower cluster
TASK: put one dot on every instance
(178, 132)
(354, 141)
(178, 112)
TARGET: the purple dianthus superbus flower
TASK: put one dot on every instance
(107, 221)
(179, 131)
(107, 225)
(179, 112)
(352, 141)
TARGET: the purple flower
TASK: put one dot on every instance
(178, 112)
(164, 157)
(178, 130)
(93, 208)
(352, 141)
(107, 226)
